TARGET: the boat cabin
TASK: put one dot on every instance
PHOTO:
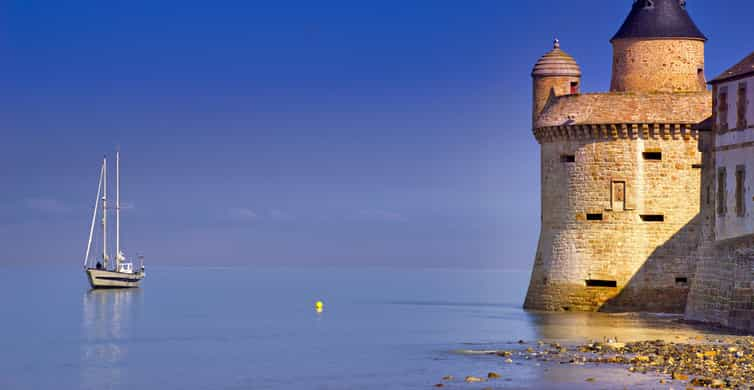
(126, 268)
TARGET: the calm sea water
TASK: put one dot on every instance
(246, 328)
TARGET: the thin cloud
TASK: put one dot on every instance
(45, 205)
(242, 213)
(380, 215)
(278, 215)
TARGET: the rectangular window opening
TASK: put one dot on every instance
(601, 283)
(682, 280)
(618, 196)
(741, 106)
(740, 191)
(696, 166)
(574, 87)
(700, 76)
(722, 109)
(568, 158)
(594, 217)
(654, 156)
(653, 218)
(722, 200)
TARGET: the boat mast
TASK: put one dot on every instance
(94, 216)
(104, 212)
(117, 210)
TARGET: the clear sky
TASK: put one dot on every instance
(346, 133)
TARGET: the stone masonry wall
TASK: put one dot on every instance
(702, 300)
(723, 290)
(651, 262)
(659, 65)
(543, 86)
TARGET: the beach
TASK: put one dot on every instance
(711, 361)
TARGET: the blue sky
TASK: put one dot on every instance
(335, 133)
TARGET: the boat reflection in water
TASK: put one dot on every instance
(107, 331)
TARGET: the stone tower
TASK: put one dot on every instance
(555, 74)
(658, 48)
(620, 170)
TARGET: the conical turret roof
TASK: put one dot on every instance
(556, 63)
(657, 19)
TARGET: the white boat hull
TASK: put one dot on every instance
(100, 278)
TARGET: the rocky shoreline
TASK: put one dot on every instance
(725, 362)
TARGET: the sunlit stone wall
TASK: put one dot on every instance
(651, 262)
(658, 65)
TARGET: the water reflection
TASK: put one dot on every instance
(580, 327)
(575, 328)
(107, 326)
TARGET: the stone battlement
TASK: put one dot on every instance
(597, 132)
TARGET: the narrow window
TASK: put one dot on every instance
(574, 87)
(652, 217)
(721, 191)
(696, 166)
(618, 195)
(741, 106)
(653, 155)
(740, 191)
(601, 283)
(594, 217)
(700, 76)
(709, 195)
(682, 280)
(722, 108)
(568, 158)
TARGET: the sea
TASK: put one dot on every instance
(257, 328)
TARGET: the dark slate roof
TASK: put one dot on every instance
(743, 68)
(659, 19)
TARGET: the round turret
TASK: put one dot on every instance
(658, 49)
(556, 73)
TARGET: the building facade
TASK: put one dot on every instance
(723, 289)
(621, 170)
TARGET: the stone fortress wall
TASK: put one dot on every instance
(621, 171)
(723, 289)
(647, 190)
(615, 236)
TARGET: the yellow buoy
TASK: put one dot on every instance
(319, 306)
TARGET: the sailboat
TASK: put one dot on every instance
(122, 274)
